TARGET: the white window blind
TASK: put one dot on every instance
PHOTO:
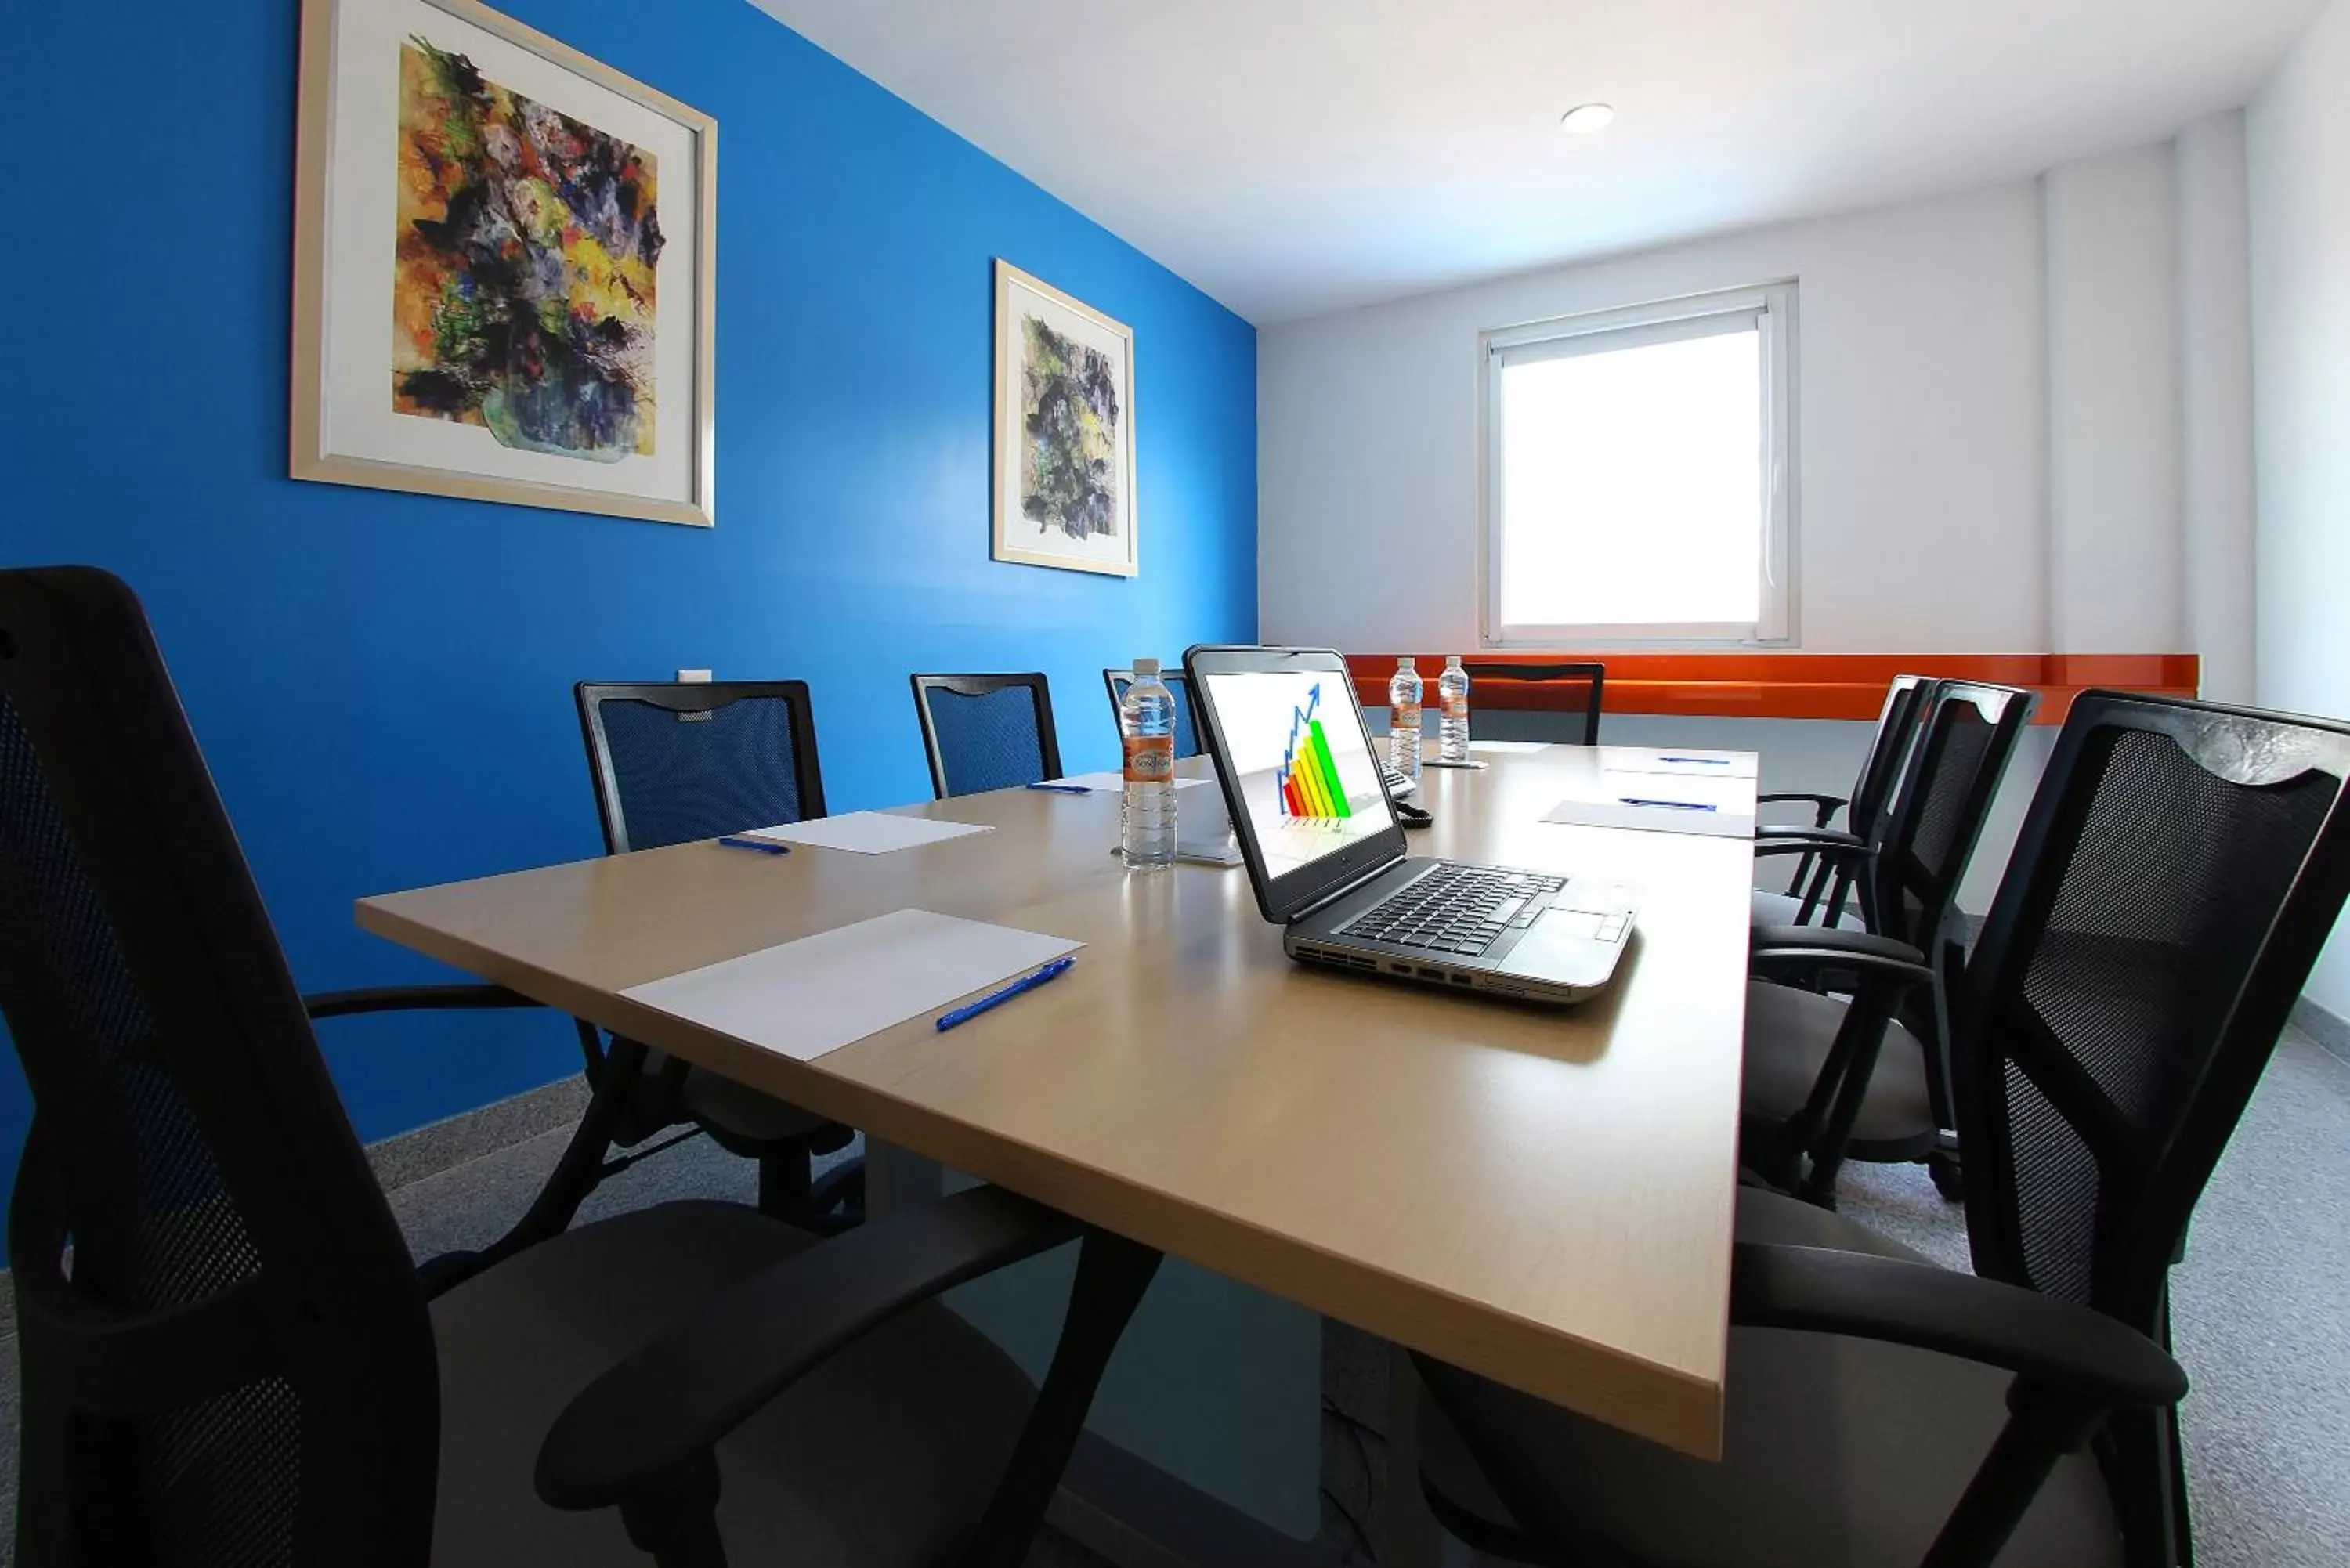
(1637, 481)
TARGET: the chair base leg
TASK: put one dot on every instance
(837, 1198)
(1949, 1177)
(783, 1184)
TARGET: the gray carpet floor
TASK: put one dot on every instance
(2261, 1305)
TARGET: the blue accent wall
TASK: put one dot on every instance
(382, 682)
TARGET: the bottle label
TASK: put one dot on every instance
(1456, 704)
(1404, 716)
(1149, 759)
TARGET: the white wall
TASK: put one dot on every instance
(2215, 363)
(1921, 412)
(2116, 542)
(2298, 136)
(1997, 449)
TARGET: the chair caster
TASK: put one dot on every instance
(1950, 1180)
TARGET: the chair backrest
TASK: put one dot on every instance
(1965, 741)
(1187, 720)
(986, 732)
(2180, 868)
(1573, 692)
(1906, 700)
(235, 1365)
(673, 762)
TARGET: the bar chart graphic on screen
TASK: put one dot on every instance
(1308, 775)
(1302, 772)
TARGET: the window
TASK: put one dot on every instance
(1637, 481)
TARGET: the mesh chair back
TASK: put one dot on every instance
(1964, 745)
(1889, 750)
(986, 732)
(2179, 872)
(1187, 725)
(674, 763)
(226, 1355)
(1572, 694)
(2181, 867)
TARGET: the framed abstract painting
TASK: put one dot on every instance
(1064, 431)
(505, 267)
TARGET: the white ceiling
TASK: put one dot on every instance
(1292, 157)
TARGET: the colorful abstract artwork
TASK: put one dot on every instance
(1069, 413)
(528, 256)
(1064, 431)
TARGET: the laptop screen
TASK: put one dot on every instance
(1300, 762)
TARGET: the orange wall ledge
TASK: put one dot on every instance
(1799, 685)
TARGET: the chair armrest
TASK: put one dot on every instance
(1843, 941)
(2076, 1348)
(1806, 839)
(1827, 805)
(1873, 959)
(409, 999)
(661, 1410)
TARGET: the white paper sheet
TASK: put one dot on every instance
(1660, 803)
(1111, 782)
(1510, 748)
(805, 998)
(1689, 763)
(867, 832)
(1615, 813)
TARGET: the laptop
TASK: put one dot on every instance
(1326, 856)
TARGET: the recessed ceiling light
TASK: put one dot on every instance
(1587, 120)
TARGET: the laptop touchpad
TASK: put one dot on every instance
(1563, 945)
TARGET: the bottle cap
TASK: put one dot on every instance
(1452, 662)
(1146, 667)
(1406, 662)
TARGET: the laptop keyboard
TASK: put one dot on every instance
(1458, 910)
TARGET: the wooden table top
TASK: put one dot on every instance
(1542, 1196)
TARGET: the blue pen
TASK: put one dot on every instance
(1708, 762)
(761, 844)
(1061, 788)
(1051, 971)
(1667, 805)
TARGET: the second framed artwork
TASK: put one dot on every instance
(1064, 431)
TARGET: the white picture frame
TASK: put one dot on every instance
(587, 382)
(1064, 493)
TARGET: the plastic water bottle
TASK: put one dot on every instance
(1452, 697)
(1145, 721)
(1403, 719)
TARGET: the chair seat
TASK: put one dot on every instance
(885, 1456)
(743, 1118)
(1786, 909)
(1789, 1033)
(1837, 1452)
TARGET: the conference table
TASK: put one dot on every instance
(1542, 1196)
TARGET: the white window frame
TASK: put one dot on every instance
(1772, 307)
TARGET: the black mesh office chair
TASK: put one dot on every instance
(2179, 873)
(674, 763)
(1571, 714)
(1828, 1079)
(1187, 720)
(986, 732)
(227, 1356)
(1817, 892)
